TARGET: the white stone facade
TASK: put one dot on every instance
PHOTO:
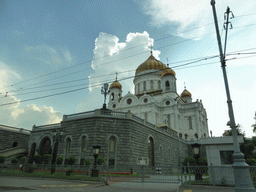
(156, 100)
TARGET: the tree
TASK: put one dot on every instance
(229, 132)
(47, 158)
(71, 160)
(23, 160)
(14, 160)
(2, 158)
(38, 159)
(59, 160)
(254, 125)
(100, 160)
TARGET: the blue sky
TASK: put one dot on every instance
(94, 38)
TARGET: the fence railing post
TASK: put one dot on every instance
(189, 175)
(212, 174)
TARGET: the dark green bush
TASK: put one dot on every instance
(189, 159)
(100, 160)
(69, 171)
(87, 162)
(47, 158)
(202, 161)
(71, 160)
(2, 158)
(14, 160)
(30, 169)
(23, 160)
(38, 159)
(59, 160)
(251, 162)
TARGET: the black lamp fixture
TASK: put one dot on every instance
(96, 151)
(196, 149)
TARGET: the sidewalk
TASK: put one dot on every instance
(202, 188)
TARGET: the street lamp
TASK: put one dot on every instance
(196, 149)
(57, 135)
(96, 151)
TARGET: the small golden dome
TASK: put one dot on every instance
(168, 71)
(150, 63)
(186, 93)
(116, 84)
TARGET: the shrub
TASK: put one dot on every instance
(47, 158)
(202, 161)
(2, 158)
(38, 159)
(30, 169)
(100, 160)
(189, 159)
(14, 160)
(23, 160)
(87, 162)
(59, 160)
(71, 160)
(251, 162)
(69, 171)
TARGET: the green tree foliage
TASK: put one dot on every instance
(38, 159)
(59, 160)
(87, 162)
(189, 159)
(2, 158)
(202, 161)
(100, 160)
(251, 162)
(254, 125)
(71, 160)
(23, 160)
(14, 160)
(47, 158)
(229, 132)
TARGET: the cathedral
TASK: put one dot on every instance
(156, 100)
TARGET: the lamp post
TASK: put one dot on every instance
(57, 135)
(96, 150)
(196, 149)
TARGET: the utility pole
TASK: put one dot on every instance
(243, 182)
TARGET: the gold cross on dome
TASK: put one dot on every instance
(151, 46)
(116, 76)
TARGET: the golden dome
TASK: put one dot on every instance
(186, 93)
(116, 84)
(150, 63)
(168, 71)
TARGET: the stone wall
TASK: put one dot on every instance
(10, 137)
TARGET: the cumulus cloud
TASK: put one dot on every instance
(112, 56)
(184, 15)
(14, 115)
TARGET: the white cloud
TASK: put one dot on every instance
(112, 56)
(183, 15)
(14, 115)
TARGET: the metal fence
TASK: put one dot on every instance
(187, 175)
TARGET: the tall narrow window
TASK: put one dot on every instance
(151, 151)
(144, 86)
(159, 84)
(146, 116)
(169, 120)
(161, 152)
(151, 84)
(167, 85)
(68, 144)
(112, 96)
(190, 123)
(112, 152)
(83, 144)
(138, 87)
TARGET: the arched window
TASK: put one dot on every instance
(138, 87)
(151, 84)
(167, 85)
(151, 152)
(186, 136)
(144, 86)
(112, 96)
(180, 135)
(32, 153)
(83, 144)
(45, 146)
(159, 84)
(196, 135)
(68, 144)
(15, 144)
(190, 123)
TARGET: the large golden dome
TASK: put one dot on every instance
(150, 63)
(168, 71)
(186, 93)
(116, 84)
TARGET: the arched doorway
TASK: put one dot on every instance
(151, 155)
(45, 146)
